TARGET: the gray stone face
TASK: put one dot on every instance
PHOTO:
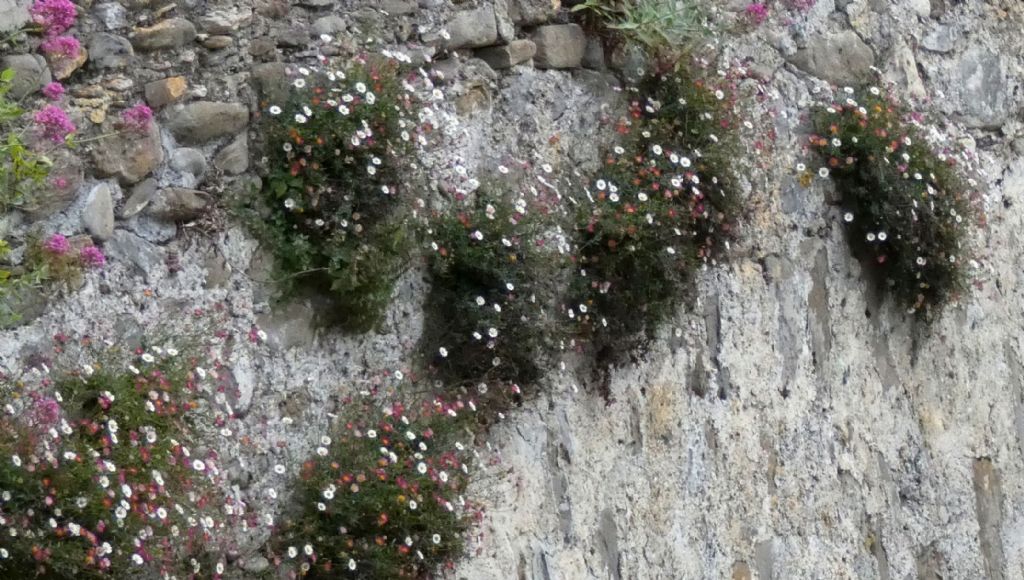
(205, 121)
(516, 52)
(233, 159)
(30, 73)
(841, 58)
(178, 204)
(129, 156)
(141, 194)
(168, 34)
(112, 14)
(189, 160)
(941, 39)
(110, 51)
(559, 46)
(98, 215)
(533, 12)
(984, 86)
(330, 24)
(271, 81)
(145, 258)
(472, 28)
(13, 15)
(226, 21)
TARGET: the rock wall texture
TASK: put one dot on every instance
(788, 424)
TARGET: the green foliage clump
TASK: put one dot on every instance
(382, 495)
(21, 170)
(908, 209)
(657, 25)
(663, 203)
(487, 317)
(100, 473)
(333, 209)
(54, 263)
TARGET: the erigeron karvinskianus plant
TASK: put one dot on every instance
(101, 474)
(382, 496)
(489, 318)
(663, 204)
(333, 209)
(908, 207)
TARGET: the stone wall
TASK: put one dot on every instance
(788, 424)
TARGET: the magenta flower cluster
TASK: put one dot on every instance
(61, 47)
(54, 123)
(757, 12)
(137, 118)
(55, 16)
(53, 91)
(57, 244)
(92, 257)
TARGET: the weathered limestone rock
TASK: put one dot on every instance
(13, 15)
(841, 58)
(127, 247)
(98, 215)
(983, 82)
(513, 53)
(941, 39)
(225, 21)
(559, 46)
(30, 73)
(112, 14)
(271, 81)
(189, 160)
(398, 7)
(533, 12)
(472, 28)
(206, 120)
(330, 24)
(233, 159)
(178, 204)
(168, 34)
(128, 156)
(593, 56)
(218, 42)
(142, 194)
(165, 91)
(110, 51)
(63, 68)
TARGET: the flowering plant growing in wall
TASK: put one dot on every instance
(333, 208)
(101, 473)
(908, 209)
(663, 203)
(382, 495)
(488, 315)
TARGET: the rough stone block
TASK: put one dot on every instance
(559, 46)
(205, 121)
(165, 91)
(168, 34)
(843, 58)
(473, 28)
(515, 52)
